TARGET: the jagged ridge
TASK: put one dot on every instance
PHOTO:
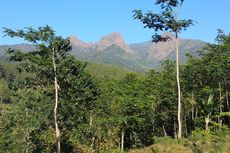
(112, 49)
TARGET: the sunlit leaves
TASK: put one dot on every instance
(166, 20)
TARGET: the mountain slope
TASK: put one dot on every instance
(153, 53)
(112, 49)
(112, 55)
(109, 71)
(4, 48)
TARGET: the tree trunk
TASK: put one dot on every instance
(122, 141)
(193, 100)
(165, 133)
(58, 136)
(90, 124)
(90, 119)
(174, 128)
(153, 128)
(92, 144)
(178, 88)
(192, 112)
(227, 101)
(207, 120)
(185, 127)
(220, 105)
(196, 113)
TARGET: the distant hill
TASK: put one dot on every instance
(23, 47)
(112, 55)
(113, 50)
(151, 54)
(102, 71)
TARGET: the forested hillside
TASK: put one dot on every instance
(164, 88)
(102, 108)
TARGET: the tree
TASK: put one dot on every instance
(207, 80)
(50, 47)
(78, 100)
(167, 92)
(167, 20)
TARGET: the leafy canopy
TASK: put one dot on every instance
(167, 20)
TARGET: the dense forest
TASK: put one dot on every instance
(104, 113)
(52, 102)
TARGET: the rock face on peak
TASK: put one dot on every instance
(105, 42)
(77, 42)
(114, 39)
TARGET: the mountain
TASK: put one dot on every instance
(105, 42)
(24, 47)
(112, 49)
(151, 54)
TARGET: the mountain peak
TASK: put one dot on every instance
(105, 42)
(115, 35)
(114, 39)
(77, 42)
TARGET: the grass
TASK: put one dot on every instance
(199, 142)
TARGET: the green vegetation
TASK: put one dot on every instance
(199, 142)
(52, 102)
(102, 71)
(167, 20)
(116, 56)
(101, 112)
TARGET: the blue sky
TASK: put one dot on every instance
(89, 20)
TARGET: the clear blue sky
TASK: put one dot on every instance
(89, 20)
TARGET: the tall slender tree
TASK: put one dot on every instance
(51, 50)
(167, 20)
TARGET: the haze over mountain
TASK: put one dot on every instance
(112, 49)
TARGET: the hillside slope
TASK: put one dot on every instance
(112, 49)
(103, 71)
